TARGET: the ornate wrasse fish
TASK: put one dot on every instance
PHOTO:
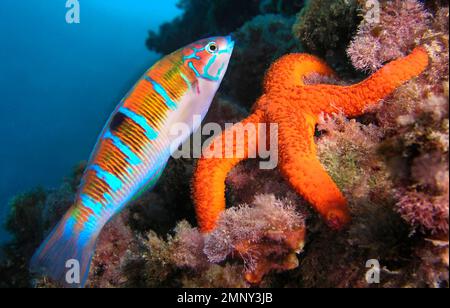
(133, 149)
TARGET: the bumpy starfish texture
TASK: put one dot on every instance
(296, 108)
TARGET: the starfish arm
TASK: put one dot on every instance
(208, 186)
(355, 99)
(300, 166)
(290, 70)
(385, 81)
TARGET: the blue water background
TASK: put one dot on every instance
(59, 82)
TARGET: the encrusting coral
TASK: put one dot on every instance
(296, 107)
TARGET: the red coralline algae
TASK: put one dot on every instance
(116, 243)
(425, 212)
(434, 257)
(388, 35)
(266, 236)
(187, 248)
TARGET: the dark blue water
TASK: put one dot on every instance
(59, 82)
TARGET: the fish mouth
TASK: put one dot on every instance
(231, 42)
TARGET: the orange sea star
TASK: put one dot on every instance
(296, 108)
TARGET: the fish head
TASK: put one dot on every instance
(208, 59)
(204, 64)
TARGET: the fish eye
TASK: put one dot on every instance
(212, 47)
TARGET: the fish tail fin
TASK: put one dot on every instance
(65, 255)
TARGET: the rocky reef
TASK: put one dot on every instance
(213, 17)
(391, 164)
(326, 27)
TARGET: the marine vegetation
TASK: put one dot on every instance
(381, 149)
(327, 26)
